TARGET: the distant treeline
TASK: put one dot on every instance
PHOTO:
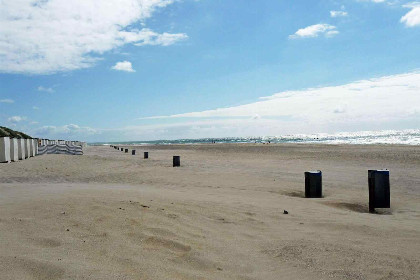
(7, 132)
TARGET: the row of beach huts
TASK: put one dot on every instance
(15, 149)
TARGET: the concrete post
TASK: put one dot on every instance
(4, 149)
(379, 189)
(176, 161)
(313, 184)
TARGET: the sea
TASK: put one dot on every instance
(403, 137)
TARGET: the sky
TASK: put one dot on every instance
(127, 70)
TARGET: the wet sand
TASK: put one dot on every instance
(111, 215)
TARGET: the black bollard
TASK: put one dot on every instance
(146, 154)
(379, 189)
(313, 184)
(176, 161)
(133, 152)
(126, 150)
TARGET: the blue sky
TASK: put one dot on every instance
(163, 69)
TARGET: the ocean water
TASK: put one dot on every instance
(404, 137)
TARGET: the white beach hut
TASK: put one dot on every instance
(27, 148)
(31, 147)
(4, 149)
(14, 149)
(21, 148)
(34, 147)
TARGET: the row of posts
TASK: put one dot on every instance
(378, 182)
(176, 160)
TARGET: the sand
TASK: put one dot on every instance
(111, 215)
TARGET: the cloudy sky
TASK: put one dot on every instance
(165, 69)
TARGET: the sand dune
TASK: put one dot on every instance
(111, 215)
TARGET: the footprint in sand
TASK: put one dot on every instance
(24, 268)
(155, 242)
(46, 242)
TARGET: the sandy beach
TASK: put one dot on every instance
(111, 215)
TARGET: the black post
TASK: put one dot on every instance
(379, 189)
(133, 152)
(176, 161)
(313, 184)
(146, 154)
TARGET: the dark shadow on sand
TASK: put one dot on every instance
(357, 207)
(300, 194)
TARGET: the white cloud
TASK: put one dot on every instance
(338, 14)
(41, 37)
(35, 108)
(16, 119)
(7, 101)
(123, 66)
(371, 103)
(390, 102)
(148, 37)
(315, 30)
(412, 18)
(45, 89)
(69, 131)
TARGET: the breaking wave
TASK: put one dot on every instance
(403, 137)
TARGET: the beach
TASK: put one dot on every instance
(113, 215)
